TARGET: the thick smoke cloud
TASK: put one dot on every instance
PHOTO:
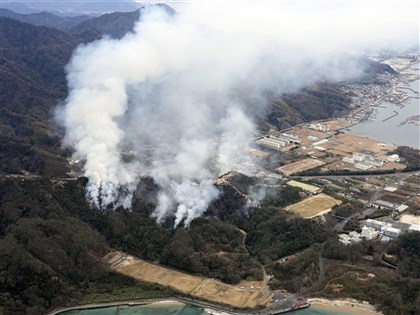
(171, 99)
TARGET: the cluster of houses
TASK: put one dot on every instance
(365, 161)
(319, 127)
(374, 229)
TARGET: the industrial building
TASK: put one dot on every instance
(319, 127)
(348, 160)
(362, 166)
(414, 227)
(386, 230)
(293, 139)
(369, 233)
(318, 143)
(382, 204)
(358, 157)
(401, 208)
(352, 237)
(344, 239)
(390, 231)
(393, 158)
(279, 141)
(272, 142)
(376, 162)
(362, 161)
(377, 225)
(390, 188)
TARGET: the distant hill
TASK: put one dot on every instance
(69, 7)
(115, 24)
(32, 81)
(46, 19)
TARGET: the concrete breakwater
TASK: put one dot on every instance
(210, 308)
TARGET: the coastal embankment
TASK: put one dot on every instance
(344, 306)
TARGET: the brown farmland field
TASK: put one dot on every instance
(313, 206)
(199, 287)
(299, 166)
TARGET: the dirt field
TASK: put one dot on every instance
(313, 206)
(151, 273)
(410, 219)
(337, 124)
(391, 166)
(299, 166)
(199, 287)
(303, 186)
(414, 179)
(349, 144)
(226, 294)
(250, 284)
(303, 134)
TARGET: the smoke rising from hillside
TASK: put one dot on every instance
(167, 100)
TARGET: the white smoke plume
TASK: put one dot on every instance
(167, 100)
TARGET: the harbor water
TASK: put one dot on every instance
(181, 310)
(387, 122)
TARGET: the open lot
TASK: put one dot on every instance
(152, 273)
(303, 186)
(299, 166)
(199, 287)
(303, 134)
(226, 294)
(410, 219)
(337, 124)
(314, 205)
(347, 144)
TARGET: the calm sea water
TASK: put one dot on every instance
(390, 131)
(140, 310)
(314, 311)
(180, 310)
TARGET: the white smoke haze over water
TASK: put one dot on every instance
(170, 95)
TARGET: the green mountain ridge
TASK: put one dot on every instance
(45, 19)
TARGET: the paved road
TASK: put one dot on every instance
(402, 174)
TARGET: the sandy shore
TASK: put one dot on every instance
(166, 303)
(344, 306)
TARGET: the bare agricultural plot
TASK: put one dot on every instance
(410, 219)
(147, 272)
(199, 287)
(226, 294)
(299, 166)
(314, 205)
(303, 186)
(337, 124)
(347, 144)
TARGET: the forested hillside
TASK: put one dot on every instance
(52, 241)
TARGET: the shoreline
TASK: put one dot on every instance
(392, 94)
(165, 303)
(343, 306)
